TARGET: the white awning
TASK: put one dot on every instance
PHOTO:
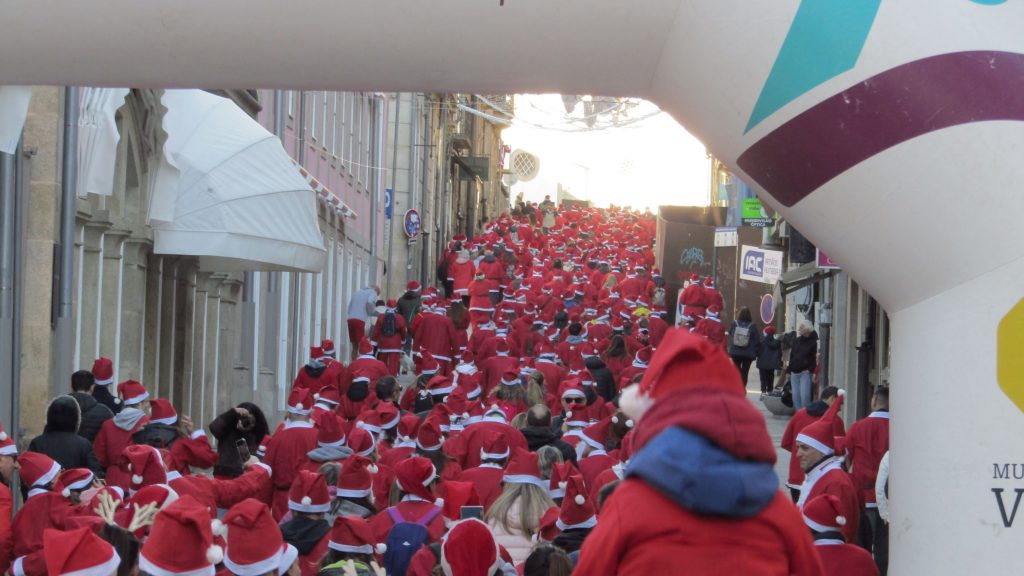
(229, 193)
(14, 101)
(327, 198)
(97, 139)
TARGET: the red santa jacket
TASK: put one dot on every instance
(436, 333)
(410, 509)
(286, 452)
(460, 274)
(368, 367)
(841, 559)
(111, 440)
(473, 437)
(42, 510)
(803, 417)
(389, 344)
(486, 480)
(225, 492)
(693, 300)
(642, 531)
(866, 443)
(553, 375)
(828, 477)
(711, 328)
(6, 509)
(493, 368)
(594, 465)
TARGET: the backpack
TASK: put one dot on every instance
(741, 336)
(405, 539)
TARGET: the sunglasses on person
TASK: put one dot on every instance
(575, 400)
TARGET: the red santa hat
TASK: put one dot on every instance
(578, 418)
(770, 330)
(596, 434)
(300, 402)
(132, 392)
(73, 480)
(37, 470)
(353, 535)
(160, 494)
(361, 441)
(180, 541)
(327, 346)
(254, 542)
(328, 395)
(331, 432)
(571, 387)
(467, 364)
(103, 371)
(560, 472)
(577, 509)
(391, 305)
(161, 411)
(440, 385)
(469, 550)
(7, 445)
(316, 353)
(683, 361)
(309, 493)
(547, 528)
(356, 477)
(413, 286)
(369, 420)
(695, 278)
(389, 415)
(820, 434)
(523, 468)
(713, 311)
(709, 281)
(459, 237)
(428, 364)
(456, 495)
(510, 378)
(78, 552)
(824, 513)
(494, 447)
(414, 476)
(501, 347)
(429, 436)
(145, 465)
(408, 425)
(587, 350)
(116, 493)
(365, 347)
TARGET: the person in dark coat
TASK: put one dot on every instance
(539, 434)
(60, 439)
(604, 380)
(803, 359)
(769, 359)
(744, 338)
(409, 307)
(245, 421)
(94, 414)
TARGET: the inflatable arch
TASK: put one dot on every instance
(887, 131)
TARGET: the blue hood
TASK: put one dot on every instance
(702, 477)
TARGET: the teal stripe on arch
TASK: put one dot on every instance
(825, 40)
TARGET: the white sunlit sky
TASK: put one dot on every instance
(649, 163)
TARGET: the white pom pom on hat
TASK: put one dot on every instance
(372, 469)
(306, 500)
(381, 548)
(136, 479)
(841, 392)
(580, 500)
(218, 528)
(563, 484)
(215, 554)
(66, 493)
(615, 419)
(841, 520)
(630, 423)
(3, 436)
(299, 406)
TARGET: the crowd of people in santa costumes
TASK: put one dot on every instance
(553, 423)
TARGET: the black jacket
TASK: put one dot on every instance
(408, 306)
(304, 533)
(103, 396)
(94, 415)
(156, 435)
(604, 380)
(539, 437)
(769, 355)
(804, 355)
(225, 429)
(68, 449)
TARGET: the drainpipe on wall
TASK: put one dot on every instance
(63, 342)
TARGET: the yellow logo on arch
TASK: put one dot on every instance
(1010, 355)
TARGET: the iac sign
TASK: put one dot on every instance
(753, 263)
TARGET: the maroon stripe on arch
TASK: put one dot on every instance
(897, 105)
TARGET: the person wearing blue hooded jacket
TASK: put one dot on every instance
(700, 494)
